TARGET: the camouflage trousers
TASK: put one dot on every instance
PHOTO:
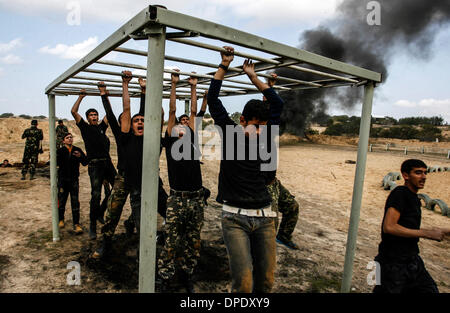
(114, 206)
(184, 222)
(284, 202)
(30, 159)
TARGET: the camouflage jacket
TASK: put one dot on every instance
(33, 136)
(61, 131)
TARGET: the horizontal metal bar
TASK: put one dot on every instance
(211, 65)
(235, 36)
(101, 79)
(116, 39)
(96, 84)
(136, 66)
(254, 57)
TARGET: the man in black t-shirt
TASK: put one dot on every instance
(132, 144)
(68, 159)
(185, 205)
(120, 191)
(100, 166)
(402, 269)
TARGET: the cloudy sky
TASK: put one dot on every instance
(41, 39)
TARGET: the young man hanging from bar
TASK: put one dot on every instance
(132, 144)
(186, 201)
(248, 223)
(120, 191)
(282, 200)
(100, 167)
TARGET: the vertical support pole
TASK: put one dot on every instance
(358, 185)
(150, 162)
(448, 154)
(423, 150)
(53, 178)
(406, 150)
(186, 107)
(371, 148)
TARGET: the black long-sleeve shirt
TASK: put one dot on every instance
(241, 182)
(68, 164)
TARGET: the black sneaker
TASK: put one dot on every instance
(288, 243)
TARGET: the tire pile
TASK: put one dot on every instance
(388, 183)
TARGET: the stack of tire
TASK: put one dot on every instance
(388, 182)
(431, 204)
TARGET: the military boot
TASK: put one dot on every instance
(104, 249)
(23, 176)
(31, 176)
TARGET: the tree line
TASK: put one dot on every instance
(422, 128)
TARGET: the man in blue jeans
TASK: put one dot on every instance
(247, 219)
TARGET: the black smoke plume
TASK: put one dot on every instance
(406, 25)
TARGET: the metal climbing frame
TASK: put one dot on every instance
(158, 25)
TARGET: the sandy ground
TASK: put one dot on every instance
(316, 174)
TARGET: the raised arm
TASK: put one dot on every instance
(276, 103)
(202, 111)
(76, 106)
(271, 82)
(126, 115)
(142, 83)
(249, 69)
(216, 108)
(172, 103)
(193, 82)
(109, 112)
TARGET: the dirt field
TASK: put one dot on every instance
(315, 173)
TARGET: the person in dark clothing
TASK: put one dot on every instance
(68, 159)
(120, 191)
(131, 141)
(247, 219)
(186, 201)
(402, 269)
(5, 163)
(100, 166)
(33, 146)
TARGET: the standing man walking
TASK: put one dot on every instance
(100, 165)
(33, 136)
(402, 269)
